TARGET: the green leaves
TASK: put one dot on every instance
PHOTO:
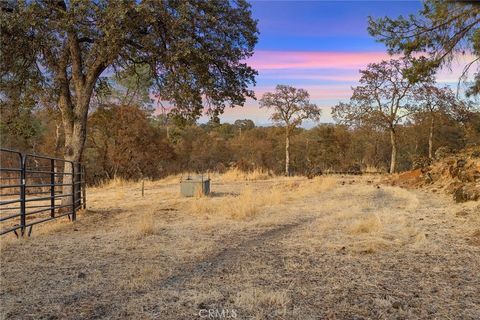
(194, 50)
(290, 106)
(385, 94)
(441, 30)
(476, 41)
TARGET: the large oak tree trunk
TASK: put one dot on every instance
(287, 152)
(58, 145)
(430, 138)
(393, 142)
(75, 130)
(74, 106)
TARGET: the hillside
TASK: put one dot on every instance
(456, 174)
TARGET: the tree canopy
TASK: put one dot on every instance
(442, 30)
(291, 106)
(383, 98)
(195, 51)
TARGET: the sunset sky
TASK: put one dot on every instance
(318, 46)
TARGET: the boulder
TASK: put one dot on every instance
(466, 193)
(468, 175)
(456, 173)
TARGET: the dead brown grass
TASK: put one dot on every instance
(253, 201)
(274, 248)
(239, 175)
(246, 204)
(263, 302)
(368, 220)
(145, 225)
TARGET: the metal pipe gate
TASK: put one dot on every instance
(31, 190)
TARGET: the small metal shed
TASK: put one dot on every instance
(197, 186)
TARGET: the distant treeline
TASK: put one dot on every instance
(128, 141)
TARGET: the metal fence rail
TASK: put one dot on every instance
(31, 190)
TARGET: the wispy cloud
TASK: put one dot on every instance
(268, 60)
(352, 77)
(317, 92)
(327, 76)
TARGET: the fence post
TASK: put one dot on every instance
(78, 184)
(52, 187)
(84, 191)
(74, 215)
(23, 220)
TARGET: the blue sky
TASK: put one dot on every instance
(322, 25)
(316, 45)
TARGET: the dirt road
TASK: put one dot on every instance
(346, 248)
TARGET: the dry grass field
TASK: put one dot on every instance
(257, 248)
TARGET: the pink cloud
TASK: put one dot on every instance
(453, 73)
(270, 62)
(265, 60)
(309, 67)
(352, 76)
(315, 91)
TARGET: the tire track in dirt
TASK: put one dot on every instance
(230, 254)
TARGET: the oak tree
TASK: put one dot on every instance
(291, 106)
(383, 98)
(195, 51)
(433, 100)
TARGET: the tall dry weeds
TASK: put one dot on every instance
(239, 175)
(144, 226)
(251, 202)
